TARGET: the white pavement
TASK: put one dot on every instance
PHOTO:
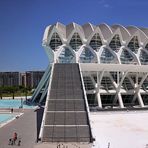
(120, 129)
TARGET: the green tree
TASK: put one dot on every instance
(1, 92)
(10, 89)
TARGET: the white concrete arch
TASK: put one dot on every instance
(142, 35)
(54, 30)
(135, 34)
(96, 30)
(46, 34)
(74, 28)
(118, 32)
(71, 35)
(88, 29)
(125, 33)
(106, 30)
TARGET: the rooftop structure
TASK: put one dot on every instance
(113, 61)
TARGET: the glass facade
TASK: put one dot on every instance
(66, 56)
(126, 57)
(127, 84)
(106, 56)
(87, 56)
(96, 42)
(115, 43)
(88, 83)
(133, 44)
(146, 47)
(106, 84)
(143, 57)
(55, 41)
(75, 42)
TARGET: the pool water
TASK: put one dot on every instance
(5, 117)
(16, 103)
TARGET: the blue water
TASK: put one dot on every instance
(6, 103)
(5, 117)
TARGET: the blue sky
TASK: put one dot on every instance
(22, 24)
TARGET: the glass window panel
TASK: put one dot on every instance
(146, 47)
(126, 57)
(143, 57)
(145, 99)
(96, 42)
(115, 43)
(75, 41)
(88, 83)
(127, 84)
(55, 41)
(145, 85)
(66, 56)
(127, 100)
(106, 56)
(107, 100)
(87, 56)
(133, 44)
(106, 84)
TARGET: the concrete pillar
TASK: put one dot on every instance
(140, 99)
(99, 100)
(120, 100)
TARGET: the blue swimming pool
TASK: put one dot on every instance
(5, 117)
(16, 103)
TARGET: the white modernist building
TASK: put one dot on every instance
(113, 61)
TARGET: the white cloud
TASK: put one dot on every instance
(104, 4)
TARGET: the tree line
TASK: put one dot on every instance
(12, 90)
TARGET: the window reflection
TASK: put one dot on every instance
(133, 44)
(55, 41)
(66, 56)
(115, 43)
(96, 42)
(87, 56)
(106, 56)
(75, 41)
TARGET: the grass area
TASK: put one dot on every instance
(17, 94)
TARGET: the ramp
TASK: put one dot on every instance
(66, 118)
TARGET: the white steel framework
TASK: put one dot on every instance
(113, 61)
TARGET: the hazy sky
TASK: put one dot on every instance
(22, 24)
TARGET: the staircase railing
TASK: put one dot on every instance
(46, 105)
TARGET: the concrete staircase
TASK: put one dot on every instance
(66, 118)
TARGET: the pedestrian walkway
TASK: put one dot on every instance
(24, 126)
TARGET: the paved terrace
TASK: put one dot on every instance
(26, 128)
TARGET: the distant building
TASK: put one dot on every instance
(9, 78)
(26, 79)
(33, 78)
(23, 79)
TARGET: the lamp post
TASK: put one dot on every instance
(21, 103)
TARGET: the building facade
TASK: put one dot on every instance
(10, 78)
(113, 61)
(27, 79)
(33, 78)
